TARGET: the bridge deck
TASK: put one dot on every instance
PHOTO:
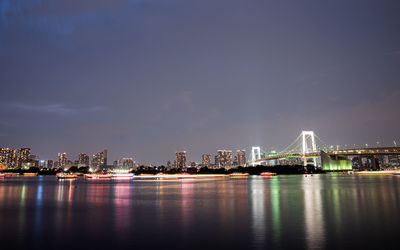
(343, 152)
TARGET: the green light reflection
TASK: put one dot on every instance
(275, 203)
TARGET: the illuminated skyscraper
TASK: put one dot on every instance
(33, 160)
(105, 157)
(127, 163)
(124, 165)
(23, 155)
(206, 160)
(99, 160)
(241, 157)
(8, 157)
(83, 159)
(49, 164)
(274, 161)
(181, 159)
(62, 160)
(223, 158)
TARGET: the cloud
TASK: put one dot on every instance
(58, 109)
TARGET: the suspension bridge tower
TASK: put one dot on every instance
(308, 145)
(255, 154)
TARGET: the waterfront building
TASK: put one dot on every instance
(240, 158)
(28, 164)
(105, 157)
(181, 159)
(274, 161)
(8, 157)
(42, 164)
(33, 161)
(23, 156)
(62, 160)
(127, 164)
(83, 159)
(223, 158)
(206, 160)
(99, 160)
(49, 164)
(394, 160)
(34, 157)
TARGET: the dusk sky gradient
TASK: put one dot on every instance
(147, 78)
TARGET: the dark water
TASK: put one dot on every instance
(284, 212)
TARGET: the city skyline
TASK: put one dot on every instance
(199, 124)
(198, 158)
(151, 78)
(13, 158)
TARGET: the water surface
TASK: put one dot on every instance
(283, 212)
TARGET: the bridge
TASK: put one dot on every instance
(309, 148)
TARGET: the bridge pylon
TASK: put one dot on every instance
(308, 145)
(255, 155)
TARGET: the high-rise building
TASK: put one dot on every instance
(206, 160)
(34, 157)
(168, 164)
(33, 161)
(99, 160)
(274, 161)
(8, 157)
(49, 164)
(83, 159)
(62, 160)
(223, 158)
(42, 164)
(124, 164)
(128, 163)
(23, 156)
(181, 159)
(105, 157)
(241, 157)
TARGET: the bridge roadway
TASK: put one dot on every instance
(342, 152)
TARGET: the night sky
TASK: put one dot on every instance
(147, 78)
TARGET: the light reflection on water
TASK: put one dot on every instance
(122, 205)
(275, 207)
(322, 211)
(258, 211)
(313, 212)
